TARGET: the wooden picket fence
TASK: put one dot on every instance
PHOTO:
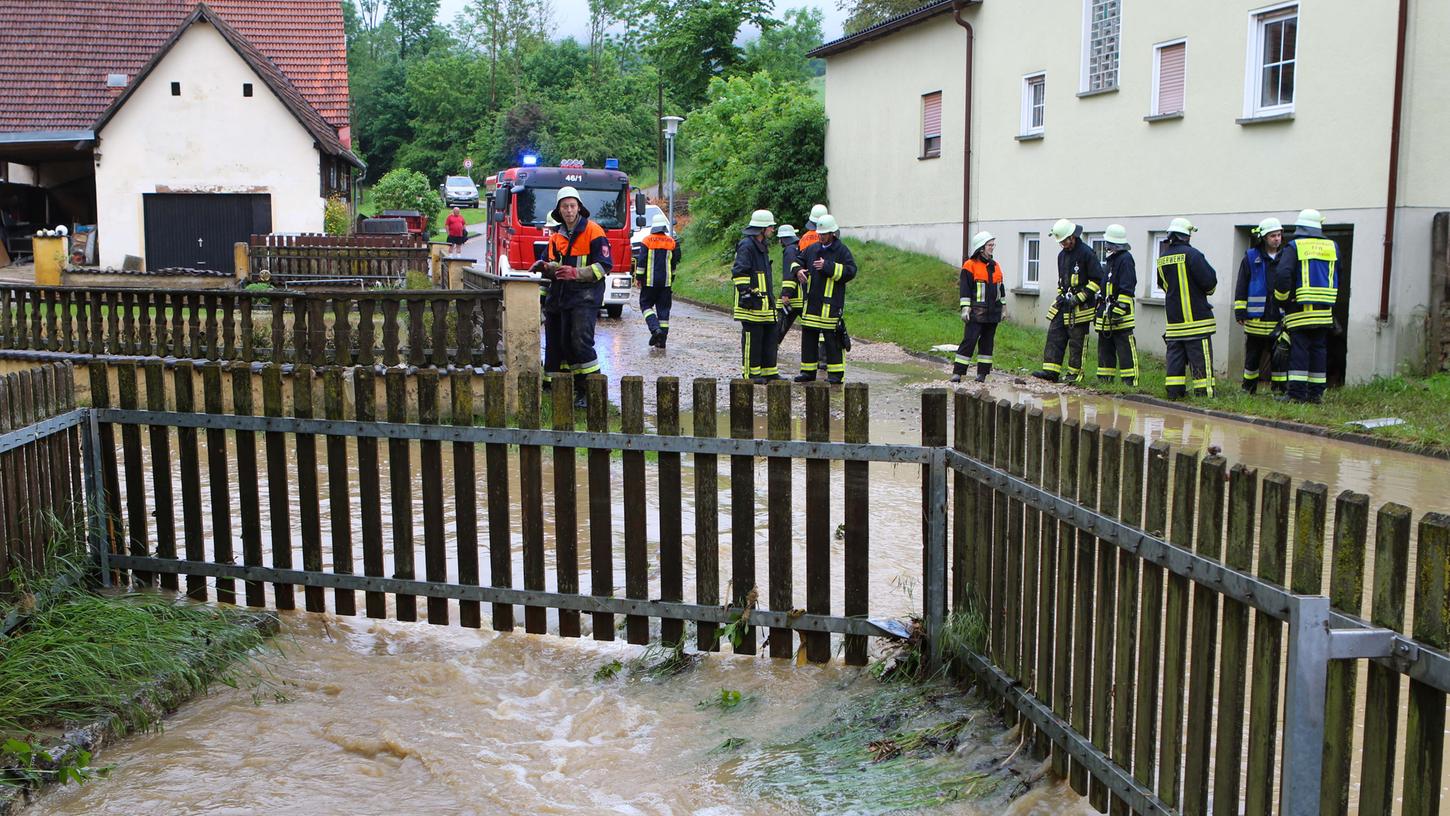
(254, 465)
(336, 260)
(40, 481)
(437, 328)
(1138, 678)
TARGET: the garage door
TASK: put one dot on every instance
(197, 230)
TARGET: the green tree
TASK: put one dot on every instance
(413, 20)
(447, 92)
(691, 42)
(403, 189)
(759, 142)
(866, 13)
(782, 49)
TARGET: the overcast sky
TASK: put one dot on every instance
(571, 17)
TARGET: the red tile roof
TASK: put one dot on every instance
(54, 57)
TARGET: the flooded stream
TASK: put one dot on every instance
(385, 717)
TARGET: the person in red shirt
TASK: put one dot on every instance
(457, 230)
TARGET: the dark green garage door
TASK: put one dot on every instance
(197, 230)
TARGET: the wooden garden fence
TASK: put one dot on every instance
(335, 260)
(420, 328)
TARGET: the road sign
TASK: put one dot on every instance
(468, 164)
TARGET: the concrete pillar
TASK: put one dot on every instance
(453, 266)
(241, 259)
(436, 251)
(521, 325)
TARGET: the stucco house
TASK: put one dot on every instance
(176, 128)
(1135, 111)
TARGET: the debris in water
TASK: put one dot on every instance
(1382, 422)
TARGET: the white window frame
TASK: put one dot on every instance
(1098, 244)
(1157, 64)
(1028, 239)
(1254, 59)
(1085, 69)
(1155, 240)
(1027, 104)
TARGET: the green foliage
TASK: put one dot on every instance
(403, 189)
(413, 20)
(608, 671)
(760, 142)
(782, 49)
(25, 765)
(727, 700)
(661, 660)
(866, 13)
(336, 217)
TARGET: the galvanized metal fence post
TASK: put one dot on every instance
(96, 501)
(1309, 653)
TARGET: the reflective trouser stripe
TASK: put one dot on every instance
(1054, 368)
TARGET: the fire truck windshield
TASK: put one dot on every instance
(606, 207)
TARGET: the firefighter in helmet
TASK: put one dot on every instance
(829, 267)
(654, 265)
(1117, 348)
(755, 299)
(1306, 284)
(1255, 308)
(981, 295)
(577, 265)
(1079, 279)
(790, 290)
(1187, 279)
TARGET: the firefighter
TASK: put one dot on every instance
(577, 265)
(1187, 280)
(755, 299)
(1306, 285)
(789, 287)
(829, 267)
(1117, 348)
(982, 293)
(812, 235)
(1079, 279)
(654, 266)
(1255, 308)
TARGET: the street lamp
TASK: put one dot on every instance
(672, 125)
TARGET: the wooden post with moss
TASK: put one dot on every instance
(1233, 659)
(672, 576)
(369, 488)
(465, 493)
(400, 483)
(707, 512)
(496, 477)
(1203, 667)
(279, 510)
(1425, 723)
(1346, 590)
(531, 502)
(430, 461)
(1124, 682)
(636, 552)
(1264, 689)
(1066, 564)
(1104, 606)
(566, 505)
(219, 479)
(601, 508)
(742, 511)
(1084, 597)
(1150, 631)
(1382, 688)
(339, 500)
(858, 520)
(963, 499)
(1047, 578)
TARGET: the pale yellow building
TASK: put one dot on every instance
(1135, 111)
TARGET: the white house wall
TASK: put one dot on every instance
(210, 139)
(1099, 162)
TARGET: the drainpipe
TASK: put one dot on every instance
(1394, 174)
(959, 6)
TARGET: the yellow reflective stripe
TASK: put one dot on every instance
(830, 288)
(981, 291)
(1241, 304)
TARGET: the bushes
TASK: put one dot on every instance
(336, 219)
(759, 142)
(403, 189)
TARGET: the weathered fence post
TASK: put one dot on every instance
(707, 510)
(1425, 724)
(671, 498)
(636, 545)
(1233, 661)
(566, 505)
(934, 531)
(780, 507)
(1382, 689)
(465, 497)
(1346, 590)
(858, 520)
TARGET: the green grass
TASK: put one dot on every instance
(910, 299)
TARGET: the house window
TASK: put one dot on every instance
(1169, 71)
(1031, 261)
(1100, 246)
(931, 125)
(1100, 44)
(1034, 104)
(1155, 241)
(176, 89)
(1273, 44)
(246, 89)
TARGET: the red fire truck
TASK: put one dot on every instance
(522, 197)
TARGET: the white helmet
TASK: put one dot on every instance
(826, 224)
(568, 192)
(785, 231)
(1269, 225)
(1310, 218)
(818, 211)
(762, 219)
(979, 240)
(1116, 234)
(660, 223)
(1182, 226)
(1063, 230)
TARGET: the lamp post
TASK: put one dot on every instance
(672, 125)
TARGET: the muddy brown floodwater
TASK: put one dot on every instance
(386, 717)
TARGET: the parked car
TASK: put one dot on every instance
(459, 191)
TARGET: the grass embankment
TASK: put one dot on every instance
(80, 667)
(911, 300)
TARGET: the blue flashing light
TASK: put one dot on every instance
(530, 159)
(611, 164)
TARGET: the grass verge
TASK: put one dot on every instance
(911, 300)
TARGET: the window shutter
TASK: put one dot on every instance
(1171, 60)
(931, 115)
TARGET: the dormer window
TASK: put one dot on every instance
(115, 80)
